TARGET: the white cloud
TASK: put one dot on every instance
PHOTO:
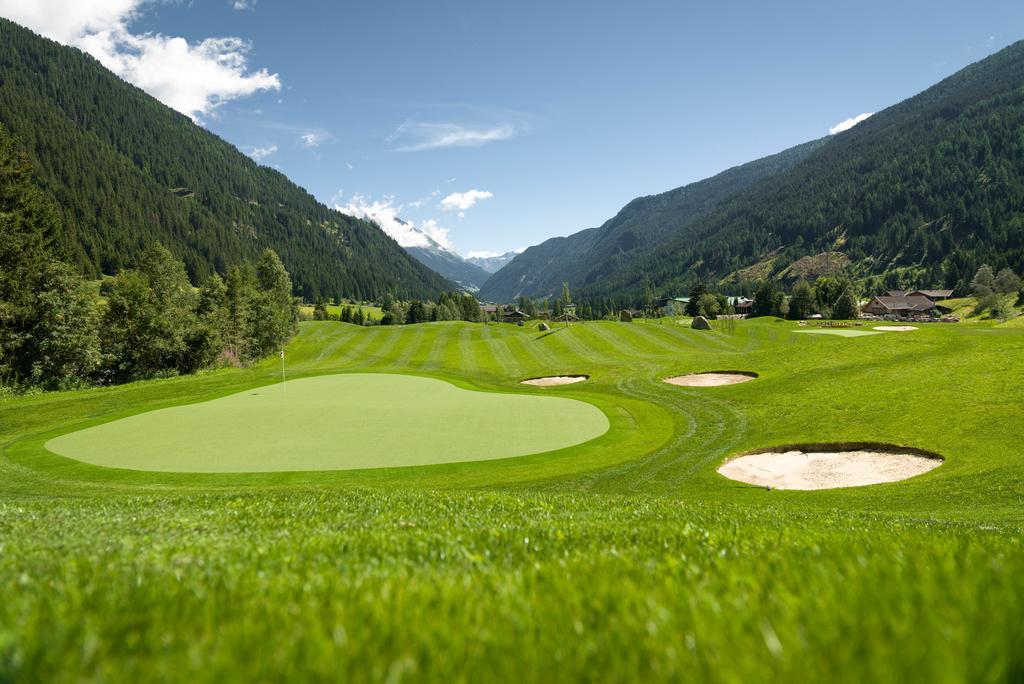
(464, 200)
(849, 123)
(259, 153)
(414, 137)
(243, 4)
(193, 78)
(349, 165)
(385, 214)
(310, 139)
(437, 233)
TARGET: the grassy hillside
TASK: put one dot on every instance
(626, 557)
(126, 171)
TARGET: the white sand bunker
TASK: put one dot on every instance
(552, 380)
(822, 467)
(711, 379)
(895, 328)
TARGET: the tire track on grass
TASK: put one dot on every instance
(706, 430)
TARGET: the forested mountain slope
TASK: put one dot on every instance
(451, 265)
(127, 170)
(444, 261)
(920, 194)
(587, 257)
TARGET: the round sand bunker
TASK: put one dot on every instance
(711, 379)
(554, 380)
(895, 328)
(823, 467)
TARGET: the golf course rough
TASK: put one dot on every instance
(336, 422)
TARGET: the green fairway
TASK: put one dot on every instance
(335, 422)
(626, 557)
(839, 332)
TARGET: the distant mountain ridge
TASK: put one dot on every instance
(919, 194)
(126, 170)
(493, 264)
(446, 262)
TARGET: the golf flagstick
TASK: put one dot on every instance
(284, 380)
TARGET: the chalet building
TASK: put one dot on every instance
(932, 295)
(672, 303)
(515, 316)
(742, 305)
(901, 307)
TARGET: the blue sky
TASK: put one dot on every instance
(495, 125)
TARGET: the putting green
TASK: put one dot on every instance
(841, 332)
(336, 422)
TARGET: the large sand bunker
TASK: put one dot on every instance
(711, 378)
(895, 328)
(554, 380)
(823, 466)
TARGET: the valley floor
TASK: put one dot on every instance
(627, 557)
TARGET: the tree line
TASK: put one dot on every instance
(59, 331)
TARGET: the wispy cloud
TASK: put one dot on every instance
(849, 123)
(310, 140)
(417, 136)
(243, 4)
(194, 78)
(259, 153)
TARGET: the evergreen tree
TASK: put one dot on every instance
(320, 310)
(767, 300)
(209, 341)
(34, 288)
(275, 315)
(240, 291)
(417, 313)
(696, 292)
(801, 304)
